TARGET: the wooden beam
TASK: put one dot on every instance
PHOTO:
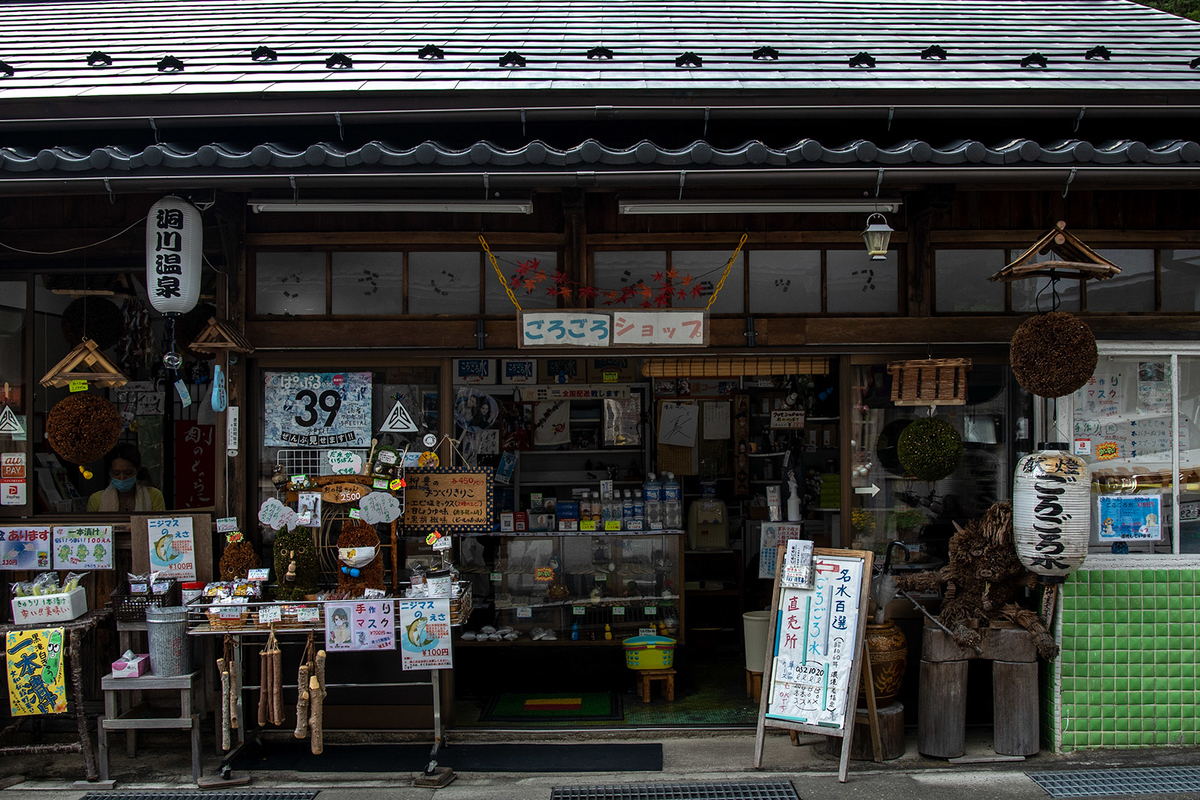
(1019, 238)
(752, 239)
(469, 240)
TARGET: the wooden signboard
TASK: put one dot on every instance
(202, 539)
(452, 499)
(815, 651)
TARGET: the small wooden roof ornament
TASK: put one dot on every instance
(220, 335)
(87, 363)
(1074, 259)
(929, 382)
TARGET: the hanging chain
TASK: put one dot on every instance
(725, 274)
(503, 281)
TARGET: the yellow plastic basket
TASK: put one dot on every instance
(649, 652)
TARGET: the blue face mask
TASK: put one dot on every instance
(124, 485)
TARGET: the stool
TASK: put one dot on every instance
(754, 685)
(137, 719)
(645, 676)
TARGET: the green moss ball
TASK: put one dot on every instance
(929, 449)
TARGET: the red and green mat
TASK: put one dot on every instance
(566, 706)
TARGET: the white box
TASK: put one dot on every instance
(50, 607)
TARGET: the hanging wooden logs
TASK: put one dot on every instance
(264, 688)
(302, 691)
(226, 731)
(276, 658)
(316, 707)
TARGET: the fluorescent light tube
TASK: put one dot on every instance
(374, 206)
(755, 206)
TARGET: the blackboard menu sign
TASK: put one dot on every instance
(453, 499)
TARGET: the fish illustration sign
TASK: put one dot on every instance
(172, 547)
(425, 633)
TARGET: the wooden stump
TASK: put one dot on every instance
(942, 713)
(891, 735)
(1015, 699)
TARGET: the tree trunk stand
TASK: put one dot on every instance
(754, 685)
(942, 714)
(891, 735)
(646, 676)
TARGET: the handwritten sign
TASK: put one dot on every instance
(379, 507)
(787, 419)
(25, 548)
(344, 492)
(565, 329)
(366, 624)
(456, 499)
(317, 409)
(425, 634)
(35, 673)
(627, 328)
(83, 547)
(344, 462)
(663, 327)
(172, 547)
(774, 536)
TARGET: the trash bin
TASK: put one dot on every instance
(754, 627)
(170, 652)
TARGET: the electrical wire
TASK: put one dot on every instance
(72, 249)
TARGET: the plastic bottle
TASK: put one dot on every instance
(574, 631)
(585, 506)
(672, 503)
(597, 511)
(607, 631)
(639, 507)
(626, 509)
(654, 496)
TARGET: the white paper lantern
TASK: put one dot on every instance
(174, 238)
(1052, 508)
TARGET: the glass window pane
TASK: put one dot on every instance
(289, 283)
(1025, 292)
(1132, 290)
(785, 281)
(1189, 449)
(1181, 280)
(443, 283)
(614, 271)
(961, 280)
(704, 268)
(496, 299)
(859, 285)
(368, 283)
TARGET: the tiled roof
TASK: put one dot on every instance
(269, 48)
(223, 157)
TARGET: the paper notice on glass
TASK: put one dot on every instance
(1153, 388)
(678, 423)
(775, 534)
(716, 420)
(798, 565)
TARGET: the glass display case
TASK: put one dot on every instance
(578, 587)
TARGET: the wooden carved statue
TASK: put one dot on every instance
(982, 580)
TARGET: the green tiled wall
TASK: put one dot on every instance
(1128, 661)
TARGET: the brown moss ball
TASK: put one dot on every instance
(237, 561)
(356, 533)
(83, 427)
(1053, 354)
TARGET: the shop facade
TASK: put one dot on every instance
(373, 255)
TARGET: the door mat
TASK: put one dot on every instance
(571, 706)
(1110, 782)
(725, 790)
(640, 757)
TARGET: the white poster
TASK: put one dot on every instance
(25, 547)
(172, 547)
(425, 633)
(83, 547)
(716, 420)
(317, 409)
(677, 424)
(552, 422)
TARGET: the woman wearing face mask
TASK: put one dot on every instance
(129, 488)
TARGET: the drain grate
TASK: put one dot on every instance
(733, 790)
(196, 794)
(1108, 782)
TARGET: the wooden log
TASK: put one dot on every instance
(1015, 700)
(942, 713)
(276, 686)
(316, 704)
(264, 688)
(226, 732)
(302, 701)
(891, 735)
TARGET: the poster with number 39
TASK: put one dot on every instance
(317, 409)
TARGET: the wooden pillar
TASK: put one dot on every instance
(1015, 700)
(942, 712)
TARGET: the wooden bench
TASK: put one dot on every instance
(646, 676)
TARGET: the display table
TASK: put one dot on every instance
(138, 718)
(76, 629)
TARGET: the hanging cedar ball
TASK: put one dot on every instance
(238, 558)
(359, 536)
(1053, 354)
(83, 427)
(296, 566)
(929, 449)
(93, 318)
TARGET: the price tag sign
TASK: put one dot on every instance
(443, 543)
(308, 614)
(651, 611)
(612, 525)
(618, 611)
(355, 514)
(379, 483)
(578, 611)
(230, 611)
(633, 524)
(298, 479)
(227, 524)
(397, 484)
(260, 574)
(78, 386)
(525, 612)
(433, 537)
(269, 614)
(587, 525)
(497, 577)
(647, 632)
